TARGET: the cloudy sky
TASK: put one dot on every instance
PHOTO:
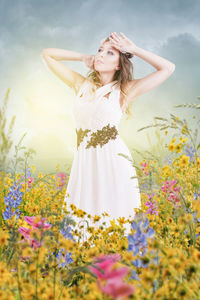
(42, 103)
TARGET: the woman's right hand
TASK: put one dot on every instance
(89, 61)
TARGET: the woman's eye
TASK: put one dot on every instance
(108, 51)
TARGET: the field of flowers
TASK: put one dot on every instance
(43, 257)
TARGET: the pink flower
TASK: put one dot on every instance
(145, 168)
(105, 265)
(116, 288)
(24, 231)
(35, 243)
(62, 177)
(152, 207)
(40, 224)
(173, 192)
(114, 285)
(30, 180)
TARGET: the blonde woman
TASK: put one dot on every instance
(100, 179)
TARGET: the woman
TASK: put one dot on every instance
(100, 179)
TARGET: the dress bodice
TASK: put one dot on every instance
(94, 110)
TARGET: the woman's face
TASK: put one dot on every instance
(107, 58)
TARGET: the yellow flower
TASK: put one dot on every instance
(171, 147)
(81, 213)
(128, 256)
(182, 291)
(3, 238)
(173, 140)
(27, 251)
(184, 140)
(146, 276)
(166, 171)
(121, 220)
(184, 160)
(96, 218)
(185, 129)
(198, 162)
(178, 148)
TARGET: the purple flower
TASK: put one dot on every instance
(138, 242)
(65, 228)
(135, 275)
(196, 195)
(152, 207)
(66, 233)
(7, 214)
(168, 159)
(67, 258)
(14, 197)
(189, 150)
(13, 200)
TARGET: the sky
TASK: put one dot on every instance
(42, 103)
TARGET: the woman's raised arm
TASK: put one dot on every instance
(51, 57)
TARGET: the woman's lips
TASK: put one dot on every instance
(99, 61)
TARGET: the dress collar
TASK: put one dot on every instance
(106, 88)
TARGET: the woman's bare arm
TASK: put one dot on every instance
(52, 56)
(140, 86)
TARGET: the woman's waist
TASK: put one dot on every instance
(91, 137)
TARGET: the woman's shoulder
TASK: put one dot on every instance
(81, 84)
(128, 84)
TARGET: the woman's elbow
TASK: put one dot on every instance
(172, 68)
(44, 52)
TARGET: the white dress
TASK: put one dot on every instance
(100, 178)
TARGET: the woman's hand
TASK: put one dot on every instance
(89, 61)
(123, 44)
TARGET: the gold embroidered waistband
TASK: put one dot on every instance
(98, 137)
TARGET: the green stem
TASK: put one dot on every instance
(36, 277)
(18, 282)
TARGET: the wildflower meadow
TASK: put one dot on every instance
(43, 256)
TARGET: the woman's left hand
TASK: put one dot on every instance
(123, 44)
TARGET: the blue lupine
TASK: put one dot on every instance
(194, 217)
(155, 285)
(13, 200)
(138, 241)
(135, 275)
(196, 195)
(67, 258)
(66, 233)
(144, 186)
(7, 214)
(65, 228)
(196, 235)
(138, 263)
(168, 160)
(189, 150)
(14, 196)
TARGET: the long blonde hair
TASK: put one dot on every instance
(123, 75)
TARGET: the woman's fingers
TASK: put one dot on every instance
(103, 40)
(115, 36)
(123, 35)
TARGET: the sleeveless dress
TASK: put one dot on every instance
(100, 179)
